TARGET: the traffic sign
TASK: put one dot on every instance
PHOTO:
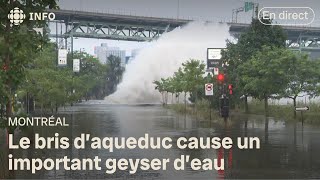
(302, 108)
(215, 71)
(248, 6)
(208, 89)
(212, 63)
(214, 53)
(76, 65)
(213, 57)
(62, 57)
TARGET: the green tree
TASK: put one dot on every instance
(188, 79)
(265, 74)
(303, 78)
(160, 86)
(170, 87)
(248, 44)
(93, 75)
(177, 83)
(193, 71)
(115, 72)
(19, 45)
(180, 83)
(50, 87)
(44, 82)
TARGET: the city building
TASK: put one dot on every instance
(104, 51)
(115, 51)
(101, 52)
(127, 59)
(134, 53)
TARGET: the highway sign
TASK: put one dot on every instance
(248, 6)
(213, 57)
(214, 53)
(62, 57)
(211, 63)
(208, 88)
(302, 108)
(76, 65)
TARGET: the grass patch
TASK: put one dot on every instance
(200, 109)
(286, 112)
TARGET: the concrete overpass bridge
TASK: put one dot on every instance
(111, 26)
(299, 38)
(80, 24)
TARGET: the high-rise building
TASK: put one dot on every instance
(134, 53)
(117, 52)
(127, 59)
(103, 52)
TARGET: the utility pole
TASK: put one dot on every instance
(223, 100)
(235, 13)
(247, 7)
(178, 9)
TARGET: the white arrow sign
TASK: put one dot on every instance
(302, 108)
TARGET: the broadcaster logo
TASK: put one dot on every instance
(17, 16)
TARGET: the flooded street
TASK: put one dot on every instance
(288, 150)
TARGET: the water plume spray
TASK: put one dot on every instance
(163, 57)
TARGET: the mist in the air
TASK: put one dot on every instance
(163, 57)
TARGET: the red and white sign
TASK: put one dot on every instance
(208, 89)
(215, 71)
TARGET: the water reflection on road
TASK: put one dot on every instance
(288, 150)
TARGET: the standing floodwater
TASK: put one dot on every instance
(288, 150)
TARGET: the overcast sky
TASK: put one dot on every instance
(212, 10)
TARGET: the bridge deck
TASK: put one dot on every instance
(293, 32)
(68, 15)
(140, 28)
